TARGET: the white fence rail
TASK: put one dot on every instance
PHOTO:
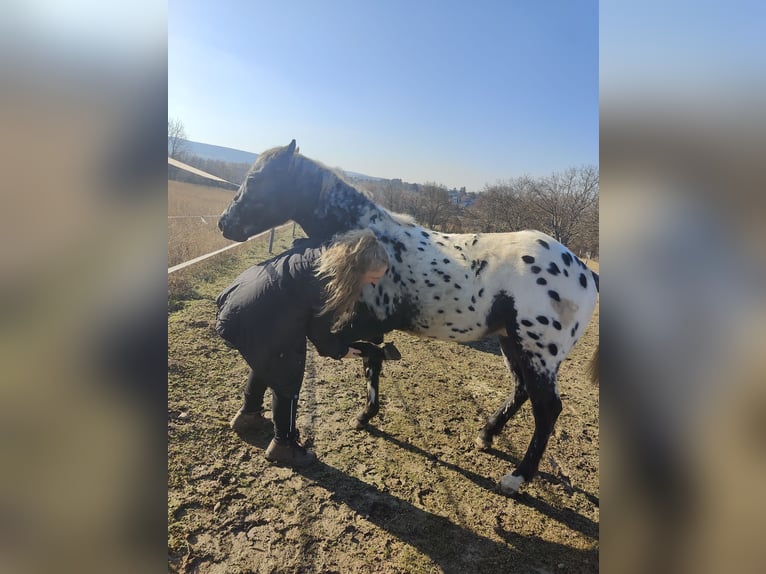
(216, 252)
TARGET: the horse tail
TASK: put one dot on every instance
(594, 370)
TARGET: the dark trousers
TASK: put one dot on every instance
(255, 389)
(284, 407)
(284, 410)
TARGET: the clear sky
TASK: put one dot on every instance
(454, 92)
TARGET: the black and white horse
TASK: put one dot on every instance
(524, 287)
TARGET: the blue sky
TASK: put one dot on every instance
(460, 93)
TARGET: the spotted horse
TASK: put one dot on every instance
(523, 287)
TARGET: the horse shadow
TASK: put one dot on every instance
(452, 547)
(566, 516)
(491, 346)
(417, 527)
(547, 477)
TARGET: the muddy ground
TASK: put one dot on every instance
(410, 494)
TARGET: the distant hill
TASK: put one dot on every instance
(227, 154)
(220, 153)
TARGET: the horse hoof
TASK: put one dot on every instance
(482, 443)
(510, 484)
(356, 424)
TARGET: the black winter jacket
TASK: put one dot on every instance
(268, 312)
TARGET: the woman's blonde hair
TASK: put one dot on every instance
(343, 265)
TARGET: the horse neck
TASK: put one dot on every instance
(332, 206)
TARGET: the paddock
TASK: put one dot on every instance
(411, 494)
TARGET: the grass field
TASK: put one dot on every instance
(193, 212)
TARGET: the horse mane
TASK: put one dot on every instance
(331, 176)
(334, 174)
(403, 218)
(266, 155)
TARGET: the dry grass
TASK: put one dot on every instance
(192, 199)
(188, 236)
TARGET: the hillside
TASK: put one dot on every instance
(231, 155)
(221, 153)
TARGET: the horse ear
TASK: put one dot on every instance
(291, 147)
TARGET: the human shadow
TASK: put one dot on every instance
(452, 547)
(260, 437)
(566, 516)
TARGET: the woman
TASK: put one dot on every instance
(270, 310)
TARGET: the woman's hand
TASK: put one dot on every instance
(352, 353)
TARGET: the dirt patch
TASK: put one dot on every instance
(410, 494)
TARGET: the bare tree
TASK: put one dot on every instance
(504, 206)
(393, 198)
(433, 206)
(562, 201)
(176, 139)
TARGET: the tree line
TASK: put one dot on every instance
(563, 205)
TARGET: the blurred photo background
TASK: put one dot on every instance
(83, 307)
(683, 400)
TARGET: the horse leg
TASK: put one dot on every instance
(497, 421)
(546, 407)
(372, 369)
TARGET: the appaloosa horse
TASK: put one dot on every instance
(523, 287)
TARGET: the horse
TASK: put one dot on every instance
(523, 287)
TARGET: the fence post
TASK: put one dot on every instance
(271, 240)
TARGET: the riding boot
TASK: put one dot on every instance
(284, 447)
(250, 417)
